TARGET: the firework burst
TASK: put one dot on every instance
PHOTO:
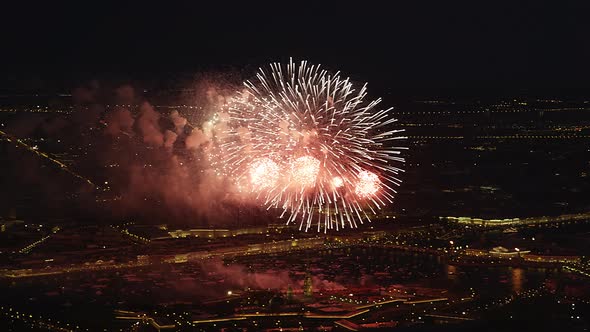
(307, 142)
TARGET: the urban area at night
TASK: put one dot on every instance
(266, 169)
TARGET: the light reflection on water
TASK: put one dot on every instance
(354, 267)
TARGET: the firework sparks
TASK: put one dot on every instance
(337, 182)
(311, 145)
(264, 173)
(368, 184)
(304, 171)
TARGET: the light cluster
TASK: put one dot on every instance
(307, 142)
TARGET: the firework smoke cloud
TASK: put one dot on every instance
(307, 142)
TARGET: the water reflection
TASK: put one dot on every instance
(517, 279)
(451, 272)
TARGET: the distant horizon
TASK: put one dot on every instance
(52, 87)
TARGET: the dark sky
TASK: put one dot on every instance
(482, 45)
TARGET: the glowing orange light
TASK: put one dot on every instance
(368, 184)
(264, 173)
(304, 171)
(337, 182)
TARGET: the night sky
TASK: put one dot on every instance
(412, 46)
